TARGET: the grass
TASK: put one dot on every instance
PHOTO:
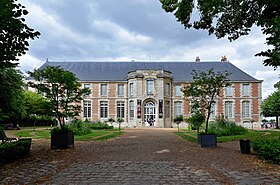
(45, 134)
(252, 135)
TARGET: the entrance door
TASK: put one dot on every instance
(149, 114)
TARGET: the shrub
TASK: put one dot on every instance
(222, 127)
(10, 151)
(267, 149)
(100, 126)
(79, 127)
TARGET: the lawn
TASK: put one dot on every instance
(44, 133)
(252, 135)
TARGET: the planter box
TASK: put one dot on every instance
(207, 140)
(245, 146)
(62, 139)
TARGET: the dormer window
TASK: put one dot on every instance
(150, 86)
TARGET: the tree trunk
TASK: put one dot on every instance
(277, 122)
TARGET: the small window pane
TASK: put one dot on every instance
(178, 91)
(103, 109)
(120, 109)
(177, 109)
(103, 89)
(120, 89)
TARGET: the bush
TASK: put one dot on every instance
(222, 127)
(267, 149)
(79, 127)
(100, 126)
(10, 151)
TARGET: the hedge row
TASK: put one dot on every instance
(267, 149)
(10, 151)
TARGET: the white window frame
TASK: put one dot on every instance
(178, 108)
(120, 109)
(229, 90)
(103, 112)
(131, 89)
(104, 91)
(246, 90)
(87, 109)
(150, 86)
(178, 91)
(131, 109)
(229, 109)
(120, 91)
(246, 109)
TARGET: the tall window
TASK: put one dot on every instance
(177, 108)
(103, 109)
(167, 109)
(88, 87)
(178, 91)
(229, 109)
(120, 109)
(245, 89)
(87, 109)
(213, 111)
(229, 90)
(150, 86)
(120, 89)
(167, 89)
(245, 109)
(103, 90)
(131, 109)
(131, 89)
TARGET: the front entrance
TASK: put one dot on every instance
(149, 114)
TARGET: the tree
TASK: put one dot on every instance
(111, 120)
(62, 89)
(232, 19)
(196, 120)
(11, 95)
(206, 86)
(14, 33)
(120, 120)
(271, 106)
(178, 120)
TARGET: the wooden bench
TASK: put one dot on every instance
(4, 138)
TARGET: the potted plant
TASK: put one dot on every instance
(178, 119)
(62, 138)
(120, 120)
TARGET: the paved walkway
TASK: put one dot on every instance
(142, 156)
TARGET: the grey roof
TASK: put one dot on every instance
(118, 71)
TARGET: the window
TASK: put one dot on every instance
(177, 109)
(245, 89)
(131, 89)
(120, 89)
(120, 109)
(103, 109)
(167, 89)
(131, 109)
(150, 87)
(87, 109)
(213, 111)
(229, 90)
(178, 91)
(103, 90)
(167, 108)
(228, 109)
(245, 109)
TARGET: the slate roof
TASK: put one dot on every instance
(118, 71)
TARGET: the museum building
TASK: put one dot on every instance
(148, 94)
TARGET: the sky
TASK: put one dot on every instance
(125, 30)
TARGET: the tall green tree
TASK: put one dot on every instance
(271, 105)
(203, 90)
(14, 33)
(232, 19)
(11, 95)
(62, 88)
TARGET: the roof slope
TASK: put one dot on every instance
(118, 71)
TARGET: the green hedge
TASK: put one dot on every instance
(10, 151)
(100, 126)
(226, 128)
(267, 149)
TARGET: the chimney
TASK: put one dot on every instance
(224, 58)
(197, 59)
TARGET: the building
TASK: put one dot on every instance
(149, 93)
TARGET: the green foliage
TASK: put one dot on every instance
(34, 134)
(203, 90)
(63, 90)
(60, 129)
(14, 34)
(196, 120)
(120, 120)
(11, 95)
(100, 126)
(267, 149)
(79, 127)
(232, 19)
(10, 151)
(226, 128)
(178, 119)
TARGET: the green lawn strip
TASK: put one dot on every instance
(187, 136)
(109, 136)
(98, 135)
(34, 134)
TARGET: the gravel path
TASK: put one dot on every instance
(140, 156)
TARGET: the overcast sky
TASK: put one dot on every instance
(125, 30)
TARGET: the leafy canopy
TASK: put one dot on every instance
(14, 33)
(61, 88)
(203, 90)
(232, 19)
